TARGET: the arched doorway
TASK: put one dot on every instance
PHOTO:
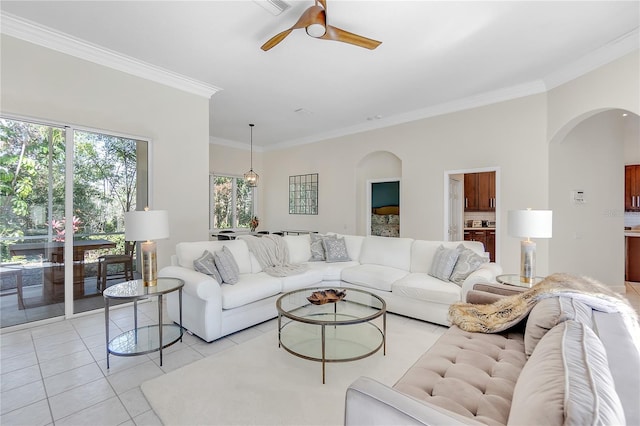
(375, 167)
(588, 155)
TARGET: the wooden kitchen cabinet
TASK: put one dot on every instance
(631, 188)
(632, 270)
(471, 192)
(480, 192)
(487, 237)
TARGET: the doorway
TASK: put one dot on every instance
(486, 217)
(383, 205)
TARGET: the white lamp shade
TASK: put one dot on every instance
(530, 223)
(146, 225)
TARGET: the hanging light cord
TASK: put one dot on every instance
(251, 126)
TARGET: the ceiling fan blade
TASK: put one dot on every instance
(337, 34)
(275, 39)
(313, 15)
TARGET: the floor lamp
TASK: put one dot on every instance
(529, 224)
(145, 226)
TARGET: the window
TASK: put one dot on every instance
(232, 202)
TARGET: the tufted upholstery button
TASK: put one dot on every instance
(472, 374)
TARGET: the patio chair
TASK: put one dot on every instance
(126, 260)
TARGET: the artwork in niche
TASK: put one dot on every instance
(303, 194)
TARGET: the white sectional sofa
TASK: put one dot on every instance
(397, 269)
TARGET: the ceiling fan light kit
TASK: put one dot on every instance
(314, 21)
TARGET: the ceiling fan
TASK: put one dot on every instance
(314, 20)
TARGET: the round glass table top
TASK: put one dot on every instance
(136, 289)
(357, 306)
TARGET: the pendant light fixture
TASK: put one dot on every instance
(251, 177)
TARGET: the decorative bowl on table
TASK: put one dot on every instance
(326, 296)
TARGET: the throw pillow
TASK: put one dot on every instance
(335, 250)
(443, 263)
(317, 249)
(207, 265)
(467, 262)
(227, 265)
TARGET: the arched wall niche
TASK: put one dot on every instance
(375, 166)
(588, 154)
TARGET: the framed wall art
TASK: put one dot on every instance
(303, 194)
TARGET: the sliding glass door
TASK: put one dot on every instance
(53, 233)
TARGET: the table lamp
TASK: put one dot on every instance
(529, 224)
(145, 226)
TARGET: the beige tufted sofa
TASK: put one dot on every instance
(565, 364)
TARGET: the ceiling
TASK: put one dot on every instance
(435, 57)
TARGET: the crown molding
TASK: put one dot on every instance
(214, 140)
(611, 51)
(23, 29)
(476, 101)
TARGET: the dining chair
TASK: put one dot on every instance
(125, 273)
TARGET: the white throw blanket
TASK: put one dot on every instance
(273, 255)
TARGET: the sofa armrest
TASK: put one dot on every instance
(486, 273)
(196, 283)
(371, 403)
(482, 293)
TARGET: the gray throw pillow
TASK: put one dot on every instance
(317, 248)
(467, 262)
(207, 265)
(227, 266)
(443, 263)
(335, 250)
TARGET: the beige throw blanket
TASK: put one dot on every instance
(510, 310)
(273, 255)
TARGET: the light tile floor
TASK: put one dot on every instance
(57, 373)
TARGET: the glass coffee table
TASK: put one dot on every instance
(332, 332)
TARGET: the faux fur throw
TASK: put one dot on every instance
(273, 255)
(510, 310)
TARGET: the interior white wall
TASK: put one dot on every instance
(631, 147)
(588, 238)
(41, 83)
(511, 135)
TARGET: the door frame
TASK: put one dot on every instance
(370, 183)
(499, 226)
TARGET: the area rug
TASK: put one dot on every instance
(257, 383)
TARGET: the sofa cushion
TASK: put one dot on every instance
(249, 288)
(567, 381)
(331, 271)
(335, 250)
(226, 265)
(548, 313)
(383, 251)
(420, 286)
(354, 245)
(422, 252)
(373, 276)
(306, 279)
(317, 248)
(467, 263)
(444, 260)
(299, 247)
(190, 251)
(207, 265)
(472, 374)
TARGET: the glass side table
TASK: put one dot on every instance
(514, 279)
(150, 338)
